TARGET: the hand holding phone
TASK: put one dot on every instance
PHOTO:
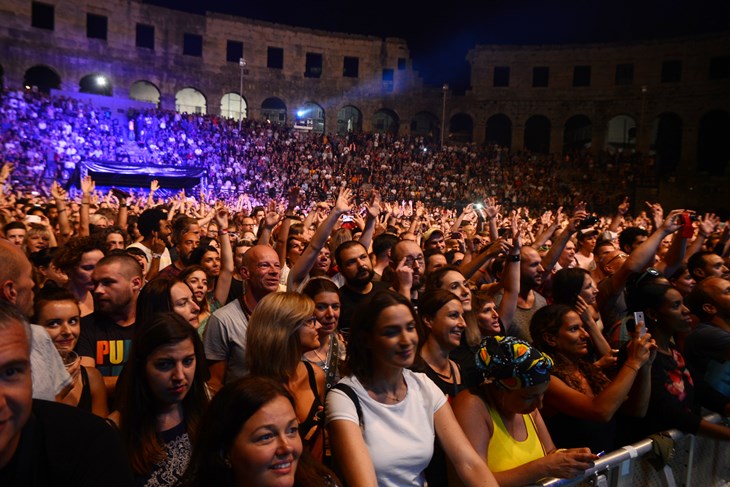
(639, 321)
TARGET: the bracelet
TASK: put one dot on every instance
(482, 271)
(156, 256)
(85, 203)
(513, 258)
(632, 368)
(223, 232)
(703, 235)
(62, 210)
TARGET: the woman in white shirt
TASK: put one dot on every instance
(382, 423)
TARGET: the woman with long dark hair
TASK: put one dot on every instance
(331, 351)
(382, 424)
(162, 397)
(672, 403)
(581, 401)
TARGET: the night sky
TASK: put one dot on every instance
(440, 36)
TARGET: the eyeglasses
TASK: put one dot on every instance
(417, 260)
(309, 322)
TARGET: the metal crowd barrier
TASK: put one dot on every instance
(695, 461)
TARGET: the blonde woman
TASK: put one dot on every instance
(281, 330)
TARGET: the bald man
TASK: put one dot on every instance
(225, 334)
(50, 377)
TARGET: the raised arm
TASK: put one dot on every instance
(271, 219)
(64, 225)
(223, 284)
(621, 211)
(707, 226)
(553, 255)
(642, 255)
(123, 212)
(319, 239)
(511, 276)
(604, 405)
(374, 209)
(154, 186)
(87, 188)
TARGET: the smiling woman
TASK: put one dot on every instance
(250, 436)
(383, 422)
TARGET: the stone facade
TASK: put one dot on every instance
(629, 90)
(681, 79)
(72, 55)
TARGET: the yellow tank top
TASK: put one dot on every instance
(506, 453)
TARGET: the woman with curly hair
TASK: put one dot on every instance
(581, 401)
(77, 259)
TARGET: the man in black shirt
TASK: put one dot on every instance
(45, 443)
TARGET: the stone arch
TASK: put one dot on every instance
(713, 151)
(386, 120)
(499, 130)
(578, 133)
(96, 84)
(311, 114)
(273, 109)
(144, 90)
(621, 133)
(537, 134)
(666, 141)
(42, 77)
(425, 124)
(349, 120)
(460, 128)
(190, 100)
(234, 106)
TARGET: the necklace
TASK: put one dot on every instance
(325, 364)
(445, 377)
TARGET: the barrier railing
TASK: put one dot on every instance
(695, 461)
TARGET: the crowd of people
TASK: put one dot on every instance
(47, 138)
(346, 316)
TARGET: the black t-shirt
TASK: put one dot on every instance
(349, 300)
(106, 342)
(62, 446)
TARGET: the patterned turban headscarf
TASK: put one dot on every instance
(512, 363)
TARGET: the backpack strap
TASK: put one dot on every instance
(353, 397)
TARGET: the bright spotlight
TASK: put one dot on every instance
(300, 113)
(101, 80)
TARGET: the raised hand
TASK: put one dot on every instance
(58, 193)
(272, 216)
(623, 208)
(87, 185)
(155, 185)
(221, 216)
(344, 200)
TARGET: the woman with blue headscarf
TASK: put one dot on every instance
(501, 418)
